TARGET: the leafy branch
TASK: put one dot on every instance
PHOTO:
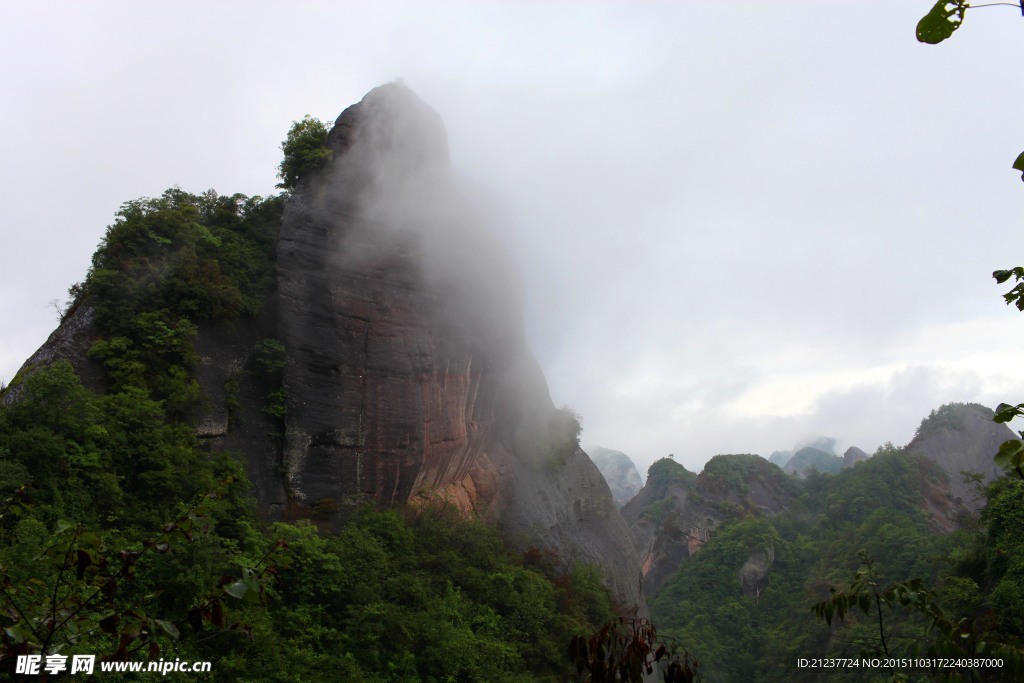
(963, 637)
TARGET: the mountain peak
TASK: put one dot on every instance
(392, 134)
(377, 353)
(962, 437)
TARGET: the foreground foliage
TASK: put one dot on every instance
(975, 641)
(627, 649)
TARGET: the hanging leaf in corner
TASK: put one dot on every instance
(939, 24)
(1019, 163)
(1011, 455)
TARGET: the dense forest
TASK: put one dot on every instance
(865, 548)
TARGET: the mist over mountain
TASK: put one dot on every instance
(342, 371)
(350, 353)
(619, 471)
(814, 453)
(677, 510)
(808, 458)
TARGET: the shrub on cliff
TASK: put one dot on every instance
(305, 149)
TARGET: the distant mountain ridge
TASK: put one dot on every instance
(677, 511)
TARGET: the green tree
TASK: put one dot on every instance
(305, 149)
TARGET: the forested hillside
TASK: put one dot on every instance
(124, 534)
(742, 599)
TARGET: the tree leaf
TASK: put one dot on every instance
(1005, 412)
(1019, 163)
(84, 560)
(939, 24)
(109, 624)
(63, 526)
(169, 628)
(236, 589)
(1011, 454)
(219, 616)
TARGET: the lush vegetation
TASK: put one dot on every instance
(394, 596)
(417, 596)
(741, 604)
(305, 150)
(664, 471)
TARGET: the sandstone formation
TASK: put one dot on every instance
(405, 374)
(678, 512)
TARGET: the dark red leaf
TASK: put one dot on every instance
(110, 624)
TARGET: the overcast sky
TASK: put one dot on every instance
(741, 224)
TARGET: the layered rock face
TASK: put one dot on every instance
(407, 371)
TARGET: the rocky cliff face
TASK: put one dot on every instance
(404, 374)
(397, 345)
(678, 512)
(407, 371)
(961, 437)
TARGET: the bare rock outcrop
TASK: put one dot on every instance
(854, 455)
(961, 437)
